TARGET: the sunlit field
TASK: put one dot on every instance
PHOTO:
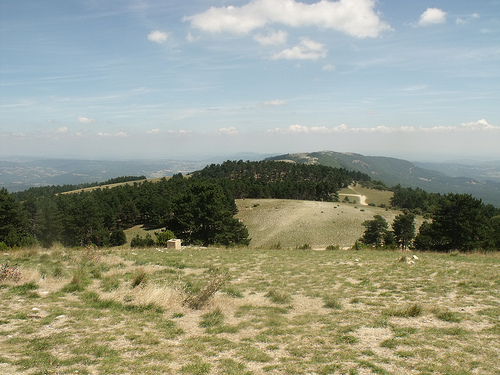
(260, 311)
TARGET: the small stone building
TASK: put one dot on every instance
(174, 244)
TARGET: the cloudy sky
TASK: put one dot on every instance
(164, 78)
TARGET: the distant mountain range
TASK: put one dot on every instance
(21, 175)
(482, 180)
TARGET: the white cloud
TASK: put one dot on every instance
(180, 132)
(154, 131)
(479, 125)
(228, 131)
(476, 126)
(353, 17)
(432, 16)
(116, 135)
(62, 130)
(158, 36)
(307, 49)
(329, 68)
(274, 38)
(85, 120)
(274, 103)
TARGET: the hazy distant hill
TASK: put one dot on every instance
(21, 175)
(394, 171)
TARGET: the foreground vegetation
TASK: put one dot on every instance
(124, 311)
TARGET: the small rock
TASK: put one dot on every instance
(35, 309)
(415, 257)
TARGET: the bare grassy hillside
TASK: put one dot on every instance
(293, 223)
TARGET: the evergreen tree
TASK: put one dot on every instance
(403, 228)
(14, 224)
(376, 232)
(460, 223)
(205, 214)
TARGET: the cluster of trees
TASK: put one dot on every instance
(281, 180)
(459, 222)
(99, 217)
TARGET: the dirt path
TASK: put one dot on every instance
(362, 198)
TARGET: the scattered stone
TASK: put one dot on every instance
(415, 257)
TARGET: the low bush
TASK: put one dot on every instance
(9, 272)
(215, 282)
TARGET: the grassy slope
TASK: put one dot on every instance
(293, 223)
(282, 312)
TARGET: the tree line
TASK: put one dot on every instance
(199, 209)
(457, 222)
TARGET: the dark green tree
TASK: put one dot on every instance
(117, 237)
(460, 223)
(403, 229)
(49, 225)
(14, 223)
(205, 214)
(424, 240)
(376, 233)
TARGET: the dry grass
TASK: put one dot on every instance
(292, 223)
(298, 312)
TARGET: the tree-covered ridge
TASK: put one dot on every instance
(48, 191)
(280, 180)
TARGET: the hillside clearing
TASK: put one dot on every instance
(293, 223)
(281, 312)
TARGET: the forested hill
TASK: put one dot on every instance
(199, 209)
(282, 180)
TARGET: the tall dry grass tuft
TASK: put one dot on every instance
(162, 296)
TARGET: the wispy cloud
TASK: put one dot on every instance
(353, 17)
(307, 49)
(154, 131)
(158, 36)
(274, 38)
(432, 16)
(466, 20)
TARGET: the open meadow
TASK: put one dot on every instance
(248, 311)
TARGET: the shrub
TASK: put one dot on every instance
(138, 241)
(215, 282)
(333, 247)
(9, 272)
(163, 237)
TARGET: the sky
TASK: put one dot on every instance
(149, 79)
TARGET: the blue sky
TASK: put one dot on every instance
(163, 78)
